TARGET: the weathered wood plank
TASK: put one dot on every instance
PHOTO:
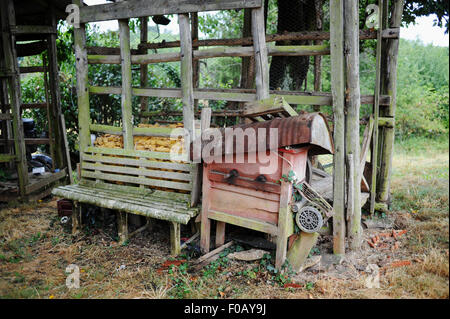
(130, 153)
(392, 33)
(137, 162)
(4, 158)
(136, 180)
(353, 103)
(7, 17)
(82, 85)
(141, 8)
(33, 29)
(260, 51)
(338, 89)
(239, 95)
(299, 50)
(148, 202)
(127, 112)
(243, 222)
(30, 188)
(284, 214)
(389, 86)
(137, 171)
(118, 204)
(187, 85)
(376, 111)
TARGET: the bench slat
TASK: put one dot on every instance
(176, 202)
(130, 153)
(136, 190)
(70, 192)
(137, 162)
(137, 171)
(137, 180)
(148, 203)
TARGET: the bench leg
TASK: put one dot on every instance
(122, 227)
(76, 218)
(175, 239)
(220, 233)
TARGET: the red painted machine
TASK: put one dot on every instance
(254, 192)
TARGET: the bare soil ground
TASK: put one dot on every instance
(35, 249)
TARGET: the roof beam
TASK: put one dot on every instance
(144, 8)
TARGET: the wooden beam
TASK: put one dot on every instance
(338, 89)
(4, 158)
(45, 181)
(33, 29)
(239, 95)
(31, 69)
(29, 141)
(247, 41)
(142, 8)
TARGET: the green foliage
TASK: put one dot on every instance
(422, 92)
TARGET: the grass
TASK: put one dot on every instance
(35, 250)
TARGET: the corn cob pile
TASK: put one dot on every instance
(144, 143)
(147, 143)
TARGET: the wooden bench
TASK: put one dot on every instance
(137, 182)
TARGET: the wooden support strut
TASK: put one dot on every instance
(10, 55)
(376, 112)
(338, 88)
(353, 103)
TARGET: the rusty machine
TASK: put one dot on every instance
(266, 191)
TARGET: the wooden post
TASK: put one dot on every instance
(205, 123)
(195, 63)
(187, 87)
(284, 214)
(353, 103)
(260, 51)
(49, 110)
(9, 52)
(318, 58)
(144, 67)
(205, 226)
(66, 147)
(389, 87)
(376, 111)
(127, 112)
(81, 63)
(337, 90)
(55, 94)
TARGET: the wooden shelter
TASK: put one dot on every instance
(29, 28)
(341, 43)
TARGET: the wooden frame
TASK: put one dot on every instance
(12, 130)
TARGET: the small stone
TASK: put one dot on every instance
(248, 255)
